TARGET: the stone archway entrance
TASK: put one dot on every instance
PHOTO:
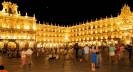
(1, 47)
(12, 45)
(21, 44)
(1, 44)
(31, 44)
(12, 48)
(39, 44)
(38, 49)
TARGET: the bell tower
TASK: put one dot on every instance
(125, 11)
(5, 7)
(10, 8)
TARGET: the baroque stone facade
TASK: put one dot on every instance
(24, 30)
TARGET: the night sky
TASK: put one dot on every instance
(70, 12)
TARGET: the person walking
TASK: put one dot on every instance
(76, 47)
(112, 52)
(29, 53)
(81, 54)
(93, 58)
(86, 53)
(23, 57)
(129, 49)
(99, 57)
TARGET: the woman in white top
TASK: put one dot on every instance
(23, 57)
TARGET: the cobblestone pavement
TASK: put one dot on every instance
(42, 65)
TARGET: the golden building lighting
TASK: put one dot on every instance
(24, 30)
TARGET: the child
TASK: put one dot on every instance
(81, 54)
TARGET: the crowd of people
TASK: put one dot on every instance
(91, 54)
(26, 56)
(96, 54)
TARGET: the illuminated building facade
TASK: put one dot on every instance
(108, 30)
(14, 28)
(23, 30)
(50, 35)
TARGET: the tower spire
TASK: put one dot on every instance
(34, 16)
(19, 12)
(125, 11)
(26, 13)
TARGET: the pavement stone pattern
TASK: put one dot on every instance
(42, 65)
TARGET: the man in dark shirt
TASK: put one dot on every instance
(129, 49)
(76, 48)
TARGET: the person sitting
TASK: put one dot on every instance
(2, 68)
